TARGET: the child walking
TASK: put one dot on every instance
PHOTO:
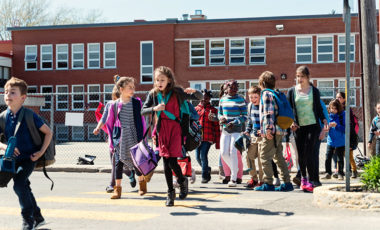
(335, 138)
(165, 100)
(232, 115)
(125, 126)
(26, 152)
(375, 130)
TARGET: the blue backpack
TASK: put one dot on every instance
(284, 116)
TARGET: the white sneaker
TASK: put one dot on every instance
(193, 176)
(232, 183)
(277, 182)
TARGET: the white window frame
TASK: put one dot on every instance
(6, 72)
(89, 93)
(332, 88)
(241, 91)
(57, 132)
(253, 83)
(191, 57)
(304, 54)
(33, 56)
(237, 55)
(344, 44)
(215, 56)
(77, 52)
(93, 59)
(146, 66)
(325, 45)
(73, 101)
(90, 135)
(46, 53)
(57, 53)
(198, 85)
(46, 101)
(109, 59)
(58, 101)
(251, 55)
(105, 86)
(353, 85)
(32, 87)
(75, 132)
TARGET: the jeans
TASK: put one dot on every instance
(329, 153)
(202, 158)
(377, 147)
(22, 189)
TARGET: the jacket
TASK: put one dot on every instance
(210, 129)
(336, 137)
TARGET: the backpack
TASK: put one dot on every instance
(354, 130)
(48, 158)
(284, 116)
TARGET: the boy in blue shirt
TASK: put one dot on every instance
(26, 152)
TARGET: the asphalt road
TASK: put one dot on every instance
(79, 201)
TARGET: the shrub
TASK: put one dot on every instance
(371, 175)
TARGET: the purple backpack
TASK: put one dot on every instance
(143, 157)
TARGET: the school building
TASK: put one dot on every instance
(82, 59)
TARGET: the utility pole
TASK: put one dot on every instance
(370, 70)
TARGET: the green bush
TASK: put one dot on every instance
(371, 175)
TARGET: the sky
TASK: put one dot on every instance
(150, 10)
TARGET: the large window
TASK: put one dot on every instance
(62, 98)
(109, 58)
(325, 49)
(215, 88)
(61, 132)
(353, 89)
(342, 48)
(217, 52)
(46, 57)
(237, 51)
(77, 133)
(93, 55)
(62, 58)
(91, 136)
(257, 51)
(4, 72)
(326, 88)
(77, 58)
(197, 53)
(108, 92)
(30, 57)
(146, 62)
(93, 97)
(47, 91)
(77, 97)
(32, 89)
(304, 50)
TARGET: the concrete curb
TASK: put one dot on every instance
(327, 196)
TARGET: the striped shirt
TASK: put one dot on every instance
(234, 109)
(128, 133)
(253, 119)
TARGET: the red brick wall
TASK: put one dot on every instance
(6, 47)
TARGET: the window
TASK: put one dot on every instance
(325, 49)
(47, 91)
(30, 57)
(93, 97)
(215, 88)
(4, 72)
(197, 53)
(93, 55)
(109, 58)
(254, 83)
(353, 89)
(146, 62)
(62, 98)
(62, 58)
(304, 50)
(108, 92)
(237, 52)
(77, 59)
(198, 85)
(342, 48)
(217, 52)
(61, 132)
(32, 89)
(257, 51)
(77, 97)
(77, 133)
(46, 57)
(91, 136)
(326, 88)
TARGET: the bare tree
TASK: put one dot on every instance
(14, 13)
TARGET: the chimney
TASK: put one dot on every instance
(198, 15)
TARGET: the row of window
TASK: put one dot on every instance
(77, 56)
(77, 95)
(257, 51)
(62, 133)
(5, 72)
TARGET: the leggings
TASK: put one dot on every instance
(170, 163)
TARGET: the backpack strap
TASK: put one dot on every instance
(3, 116)
(34, 132)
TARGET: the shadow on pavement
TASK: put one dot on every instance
(252, 211)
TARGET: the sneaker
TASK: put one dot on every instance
(226, 180)
(316, 183)
(27, 224)
(354, 174)
(286, 187)
(277, 182)
(340, 177)
(251, 183)
(265, 187)
(327, 176)
(232, 183)
(38, 220)
(335, 175)
(132, 179)
(239, 180)
(297, 181)
(109, 189)
(193, 176)
(259, 184)
(306, 186)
